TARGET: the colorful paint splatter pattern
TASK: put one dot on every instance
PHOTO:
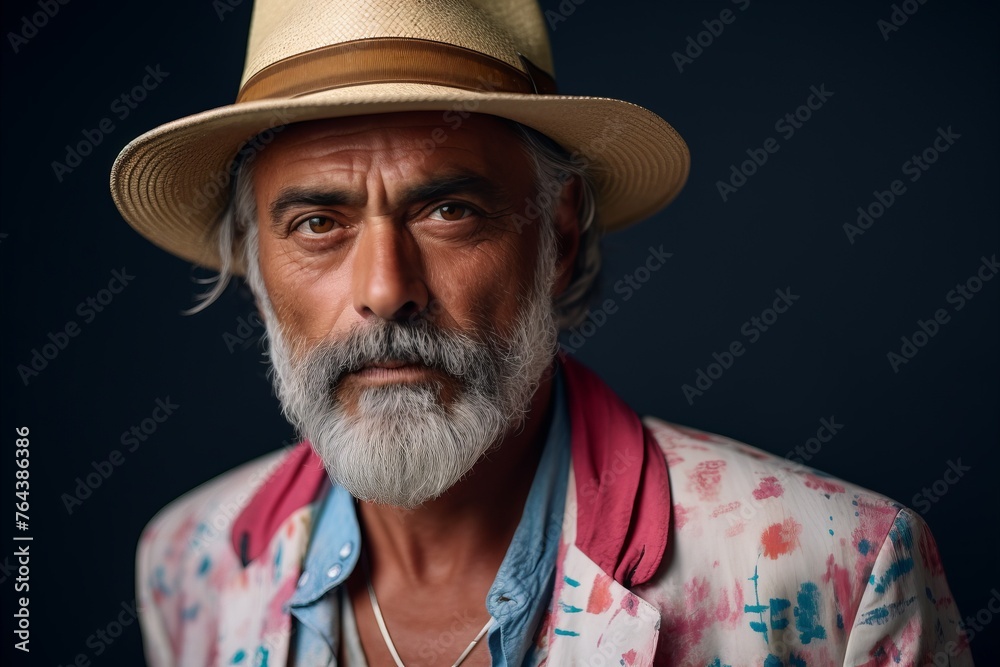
(770, 564)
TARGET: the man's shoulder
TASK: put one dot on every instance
(765, 548)
(201, 519)
(726, 475)
(755, 505)
(186, 564)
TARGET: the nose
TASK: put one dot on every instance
(388, 273)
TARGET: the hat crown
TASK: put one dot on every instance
(502, 29)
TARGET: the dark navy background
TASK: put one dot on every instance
(825, 358)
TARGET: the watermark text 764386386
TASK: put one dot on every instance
(22, 554)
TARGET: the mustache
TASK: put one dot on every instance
(419, 342)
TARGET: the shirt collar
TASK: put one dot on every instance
(521, 590)
(333, 549)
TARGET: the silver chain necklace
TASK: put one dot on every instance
(385, 631)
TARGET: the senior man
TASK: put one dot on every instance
(417, 214)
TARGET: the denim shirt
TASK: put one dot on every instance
(518, 597)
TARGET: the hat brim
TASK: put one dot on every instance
(172, 183)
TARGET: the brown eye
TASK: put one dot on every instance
(319, 225)
(452, 212)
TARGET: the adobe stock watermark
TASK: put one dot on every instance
(786, 126)
(106, 634)
(623, 461)
(463, 625)
(131, 440)
(957, 297)
(976, 623)
(695, 46)
(561, 13)
(32, 23)
(772, 486)
(752, 330)
(972, 626)
(220, 179)
(805, 452)
(248, 331)
(218, 526)
(88, 310)
(454, 118)
(626, 287)
(914, 168)
(927, 496)
(543, 200)
(898, 17)
(607, 653)
(121, 108)
(223, 7)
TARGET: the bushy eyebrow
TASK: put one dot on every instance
(455, 183)
(451, 183)
(293, 197)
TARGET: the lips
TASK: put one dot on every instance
(392, 371)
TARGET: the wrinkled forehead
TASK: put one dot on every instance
(432, 138)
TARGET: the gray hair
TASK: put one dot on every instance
(553, 167)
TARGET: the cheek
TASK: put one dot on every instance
(483, 288)
(309, 301)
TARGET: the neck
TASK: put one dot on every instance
(464, 534)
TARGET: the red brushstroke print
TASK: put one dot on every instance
(769, 487)
(630, 603)
(844, 597)
(730, 614)
(706, 477)
(780, 538)
(681, 515)
(600, 595)
(816, 482)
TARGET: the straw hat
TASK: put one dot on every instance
(313, 59)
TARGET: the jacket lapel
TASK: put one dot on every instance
(270, 537)
(591, 613)
(254, 621)
(615, 529)
(623, 489)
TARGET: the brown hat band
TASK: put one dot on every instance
(393, 60)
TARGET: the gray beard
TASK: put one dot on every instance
(402, 445)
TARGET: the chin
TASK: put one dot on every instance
(400, 444)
